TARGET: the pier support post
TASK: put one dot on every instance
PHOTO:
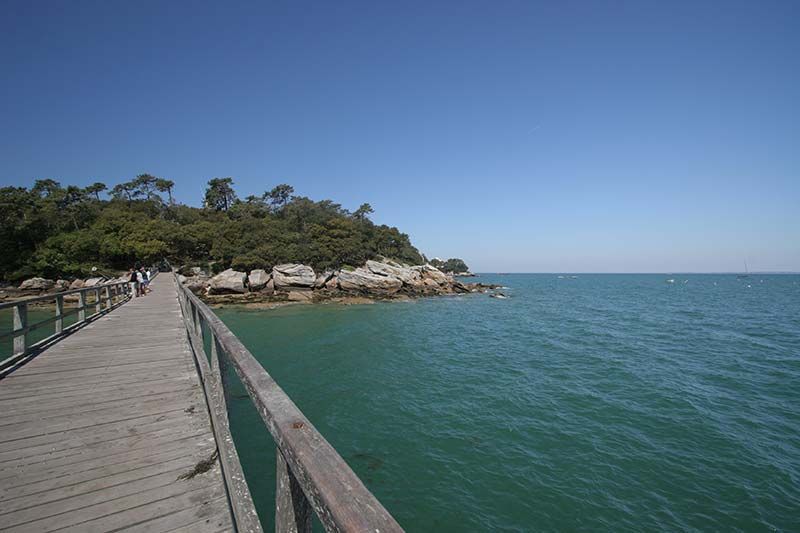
(21, 323)
(59, 313)
(292, 510)
(81, 306)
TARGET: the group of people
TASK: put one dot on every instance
(140, 281)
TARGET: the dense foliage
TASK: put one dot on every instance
(452, 265)
(54, 231)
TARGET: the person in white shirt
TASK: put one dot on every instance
(140, 279)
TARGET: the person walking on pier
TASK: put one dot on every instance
(145, 281)
(140, 282)
(133, 279)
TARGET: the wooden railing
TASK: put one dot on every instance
(311, 475)
(106, 297)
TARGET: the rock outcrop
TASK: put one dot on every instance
(36, 284)
(405, 274)
(61, 285)
(363, 281)
(323, 279)
(228, 281)
(257, 279)
(76, 284)
(91, 282)
(293, 275)
(197, 284)
(299, 283)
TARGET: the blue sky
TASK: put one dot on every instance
(521, 136)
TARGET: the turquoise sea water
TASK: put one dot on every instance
(602, 403)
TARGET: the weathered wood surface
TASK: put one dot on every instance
(96, 431)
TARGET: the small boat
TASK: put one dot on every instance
(746, 272)
(499, 295)
(670, 280)
(560, 277)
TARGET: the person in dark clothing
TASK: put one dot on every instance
(133, 279)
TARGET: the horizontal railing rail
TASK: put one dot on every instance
(311, 476)
(106, 296)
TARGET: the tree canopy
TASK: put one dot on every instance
(57, 231)
(452, 265)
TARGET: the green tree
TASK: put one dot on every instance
(279, 196)
(70, 201)
(126, 191)
(363, 212)
(95, 189)
(164, 185)
(220, 194)
(46, 188)
(146, 185)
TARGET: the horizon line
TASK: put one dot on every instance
(763, 272)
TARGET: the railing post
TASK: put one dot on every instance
(196, 321)
(97, 304)
(20, 322)
(81, 306)
(108, 297)
(292, 510)
(59, 313)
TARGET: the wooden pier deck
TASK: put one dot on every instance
(102, 431)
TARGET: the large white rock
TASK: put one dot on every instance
(293, 275)
(91, 282)
(228, 281)
(196, 284)
(404, 273)
(257, 279)
(432, 273)
(36, 284)
(362, 280)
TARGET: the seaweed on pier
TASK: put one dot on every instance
(201, 467)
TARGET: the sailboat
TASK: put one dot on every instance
(746, 272)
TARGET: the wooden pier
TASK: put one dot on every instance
(96, 431)
(122, 424)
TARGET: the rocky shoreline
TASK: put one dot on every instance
(297, 283)
(292, 283)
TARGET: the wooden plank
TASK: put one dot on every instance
(209, 517)
(52, 405)
(141, 509)
(66, 413)
(164, 441)
(122, 428)
(70, 465)
(115, 501)
(87, 482)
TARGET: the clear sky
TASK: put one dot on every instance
(581, 136)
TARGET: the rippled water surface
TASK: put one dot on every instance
(601, 403)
